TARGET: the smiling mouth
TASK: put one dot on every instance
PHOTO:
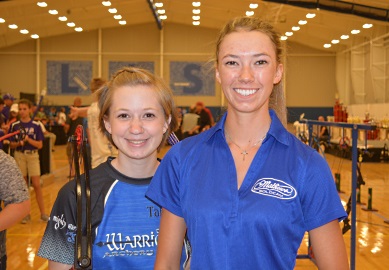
(137, 142)
(245, 92)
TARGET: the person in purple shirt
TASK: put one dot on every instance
(26, 145)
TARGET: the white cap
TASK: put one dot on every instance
(14, 108)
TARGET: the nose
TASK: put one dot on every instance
(246, 74)
(136, 126)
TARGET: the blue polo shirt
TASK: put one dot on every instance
(288, 190)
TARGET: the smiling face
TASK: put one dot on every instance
(247, 70)
(136, 121)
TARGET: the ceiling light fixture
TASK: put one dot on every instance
(13, 26)
(196, 11)
(112, 10)
(284, 38)
(310, 15)
(335, 41)
(159, 5)
(196, 23)
(2, 20)
(253, 6)
(106, 3)
(302, 22)
(42, 4)
(78, 29)
(344, 37)
(123, 22)
(367, 25)
(24, 31)
(355, 31)
(161, 11)
(71, 24)
(117, 17)
(196, 4)
(34, 36)
(163, 17)
(327, 46)
(63, 18)
(196, 18)
(249, 13)
(53, 12)
(296, 28)
(288, 34)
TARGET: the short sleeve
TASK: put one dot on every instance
(61, 229)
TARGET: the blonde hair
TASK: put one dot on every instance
(277, 97)
(131, 76)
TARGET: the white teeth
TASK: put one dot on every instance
(245, 92)
(138, 142)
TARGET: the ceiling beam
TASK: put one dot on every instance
(155, 14)
(344, 7)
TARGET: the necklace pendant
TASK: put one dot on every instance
(244, 153)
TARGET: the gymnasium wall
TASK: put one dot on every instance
(309, 75)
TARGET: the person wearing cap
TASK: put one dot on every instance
(26, 145)
(8, 101)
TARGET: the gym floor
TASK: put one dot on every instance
(372, 232)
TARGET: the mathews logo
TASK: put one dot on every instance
(274, 188)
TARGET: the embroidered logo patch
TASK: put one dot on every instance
(274, 188)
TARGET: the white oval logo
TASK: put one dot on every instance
(274, 188)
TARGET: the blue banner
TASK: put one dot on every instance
(69, 77)
(192, 79)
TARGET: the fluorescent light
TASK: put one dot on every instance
(310, 15)
(367, 25)
(2, 20)
(42, 4)
(288, 34)
(161, 11)
(163, 17)
(158, 5)
(335, 41)
(284, 38)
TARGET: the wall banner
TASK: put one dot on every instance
(116, 65)
(69, 77)
(192, 79)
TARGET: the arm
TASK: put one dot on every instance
(171, 236)
(78, 112)
(13, 213)
(328, 247)
(58, 266)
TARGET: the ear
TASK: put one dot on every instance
(217, 75)
(107, 124)
(279, 72)
(166, 125)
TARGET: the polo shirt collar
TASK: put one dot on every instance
(277, 130)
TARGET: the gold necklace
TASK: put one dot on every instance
(243, 151)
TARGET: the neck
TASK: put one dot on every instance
(136, 168)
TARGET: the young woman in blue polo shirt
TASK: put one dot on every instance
(247, 190)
